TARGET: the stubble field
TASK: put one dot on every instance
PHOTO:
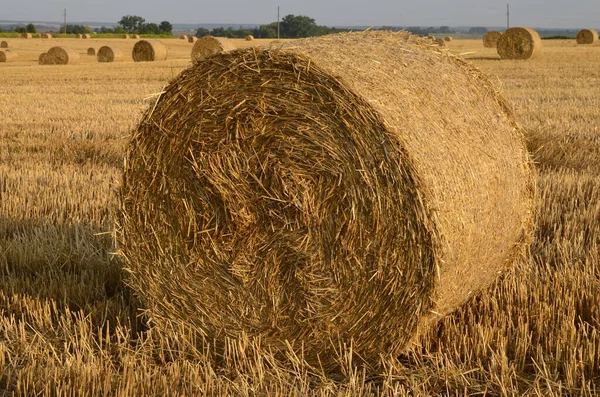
(70, 326)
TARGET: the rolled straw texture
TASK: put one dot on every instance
(4, 44)
(149, 51)
(192, 39)
(587, 36)
(26, 35)
(7, 56)
(323, 193)
(490, 39)
(46, 36)
(519, 43)
(43, 59)
(91, 51)
(86, 36)
(110, 54)
(62, 56)
(447, 38)
(210, 45)
(135, 36)
(249, 37)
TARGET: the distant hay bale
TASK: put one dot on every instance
(447, 38)
(25, 35)
(440, 42)
(125, 36)
(110, 54)
(192, 39)
(249, 37)
(136, 36)
(210, 45)
(183, 37)
(86, 36)
(4, 44)
(43, 59)
(91, 51)
(519, 43)
(78, 36)
(490, 39)
(149, 50)
(309, 197)
(7, 56)
(587, 36)
(46, 36)
(62, 56)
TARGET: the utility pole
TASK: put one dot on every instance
(65, 19)
(277, 21)
(507, 17)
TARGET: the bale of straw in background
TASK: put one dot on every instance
(587, 36)
(110, 54)
(43, 59)
(192, 39)
(249, 37)
(136, 36)
(25, 35)
(490, 39)
(440, 42)
(91, 51)
(125, 36)
(309, 197)
(78, 36)
(7, 56)
(149, 50)
(210, 45)
(447, 38)
(4, 44)
(62, 56)
(519, 43)
(86, 36)
(46, 36)
(183, 37)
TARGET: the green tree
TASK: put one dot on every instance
(131, 23)
(148, 28)
(30, 28)
(298, 26)
(166, 27)
(201, 32)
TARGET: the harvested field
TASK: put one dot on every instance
(70, 325)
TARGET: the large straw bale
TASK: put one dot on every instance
(587, 36)
(249, 37)
(519, 43)
(210, 45)
(323, 193)
(86, 36)
(91, 51)
(448, 38)
(490, 39)
(192, 39)
(43, 59)
(149, 50)
(78, 36)
(183, 37)
(4, 44)
(125, 36)
(110, 54)
(46, 36)
(7, 56)
(62, 56)
(26, 35)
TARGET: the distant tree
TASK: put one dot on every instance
(30, 28)
(201, 32)
(478, 30)
(166, 27)
(148, 28)
(298, 26)
(20, 29)
(266, 31)
(131, 23)
(78, 29)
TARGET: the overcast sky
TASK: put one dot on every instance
(533, 13)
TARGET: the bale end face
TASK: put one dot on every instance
(149, 51)
(587, 36)
(490, 39)
(110, 54)
(4, 44)
(519, 43)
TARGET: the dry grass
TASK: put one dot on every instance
(70, 326)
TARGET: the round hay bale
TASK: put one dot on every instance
(310, 197)
(46, 36)
(210, 45)
(136, 36)
(490, 39)
(587, 36)
(62, 56)
(43, 59)
(26, 35)
(183, 37)
(125, 36)
(519, 43)
(78, 36)
(110, 54)
(91, 51)
(249, 37)
(7, 56)
(440, 42)
(149, 50)
(4, 44)
(86, 36)
(192, 39)
(447, 38)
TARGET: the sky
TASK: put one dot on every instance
(532, 13)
